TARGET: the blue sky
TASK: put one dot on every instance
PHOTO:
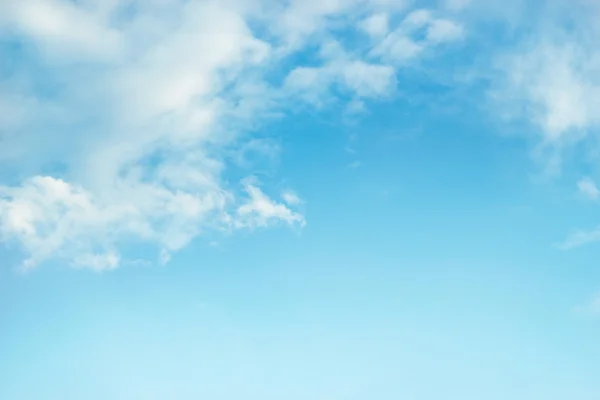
(333, 199)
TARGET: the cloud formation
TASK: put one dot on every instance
(546, 75)
(550, 72)
(120, 117)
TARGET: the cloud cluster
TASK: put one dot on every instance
(370, 71)
(557, 82)
(549, 69)
(549, 79)
(120, 116)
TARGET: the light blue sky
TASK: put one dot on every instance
(333, 199)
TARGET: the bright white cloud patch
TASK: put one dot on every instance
(137, 101)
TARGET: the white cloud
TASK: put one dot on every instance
(442, 30)
(376, 25)
(357, 77)
(554, 83)
(403, 44)
(309, 83)
(398, 48)
(549, 80)
(50, 217)
(416, 19)
(580, 238)
(97, 262)
(142, 109)
(588, 188)
(260, 210)
(62, 27)
(291, 198)
(368, 80)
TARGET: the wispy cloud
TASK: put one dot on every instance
(406, 42)
(588, 188)
(291, 198)
(580, 238)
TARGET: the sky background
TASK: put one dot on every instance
(333, 199)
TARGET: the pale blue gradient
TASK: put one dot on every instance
(431, 271)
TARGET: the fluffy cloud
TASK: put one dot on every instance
(137, 107)
(549, 77)
(557, 83)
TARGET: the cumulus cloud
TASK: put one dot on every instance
(139, 106)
